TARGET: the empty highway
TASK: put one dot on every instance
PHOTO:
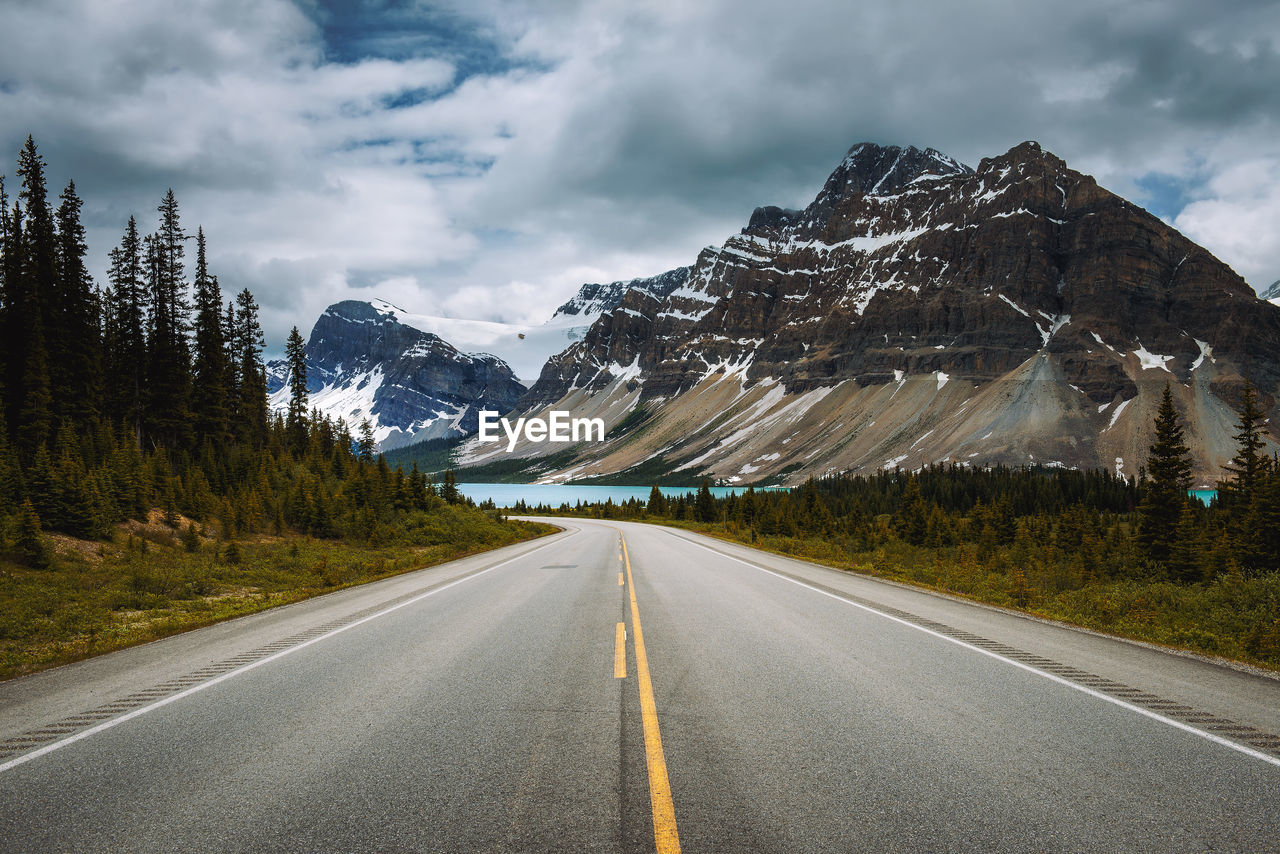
(622, 687)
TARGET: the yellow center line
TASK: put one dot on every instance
(665, 838)
(619, 579)
(620, 652)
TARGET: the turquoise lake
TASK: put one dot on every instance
(554, 494)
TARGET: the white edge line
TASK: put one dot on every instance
(1216, 739)
(105, 725)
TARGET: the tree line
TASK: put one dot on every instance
(1081, 525)
(150, 392)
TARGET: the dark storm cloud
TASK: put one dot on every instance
(484, 157)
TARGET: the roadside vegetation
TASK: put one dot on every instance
(1134, 557)
(152, 579)
(145, 487)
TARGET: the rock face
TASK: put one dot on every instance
(411, 385)
(920, 311)
(594, 299)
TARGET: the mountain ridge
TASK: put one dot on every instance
(363, 363)
(913, 288)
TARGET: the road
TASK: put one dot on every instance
(756, 703)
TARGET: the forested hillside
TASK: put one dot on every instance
(1135, 556)
(135, 415)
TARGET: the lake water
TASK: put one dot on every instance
(554, 494)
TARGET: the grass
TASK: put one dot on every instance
(1231, 616)
(145, 584)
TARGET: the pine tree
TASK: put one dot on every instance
(448, 488)
(657, 505)
(1249, 464)
(251, 400)
(209, 394)
(10, 269)
(366, 446)
(31, 282)
(1165, 492)
(704, 504)
(231, 358)
(296, 418)
(30, 544)
(75, 346)
(168, 355)
(126, 344)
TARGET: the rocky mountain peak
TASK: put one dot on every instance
(921, 312)
(868, 169)
(595, 298)
(363, 362)
(873, 169)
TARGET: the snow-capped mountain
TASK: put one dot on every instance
(406, 374)
(364, 361)
(919, 311)
(1272, 293)
(594, 299)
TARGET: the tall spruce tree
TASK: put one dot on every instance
(251, 400)
(232, 356)
(704, 504)
(168, 351)
(6, 250)
(30, 394)
(210, 392)
(1169, 477)
(1249, 466)
(296, 416)
(126, 346)
(76, 347)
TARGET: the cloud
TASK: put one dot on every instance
(486, 157)
(1236, 219)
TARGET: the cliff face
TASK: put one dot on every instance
(411, 385)
(594, 299)
(920, 311)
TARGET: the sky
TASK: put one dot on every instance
(483, 158)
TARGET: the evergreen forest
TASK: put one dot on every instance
(1139, 557)
(134, 415)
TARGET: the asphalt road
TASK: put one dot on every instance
(759, 704)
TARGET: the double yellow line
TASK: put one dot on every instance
(665, 838)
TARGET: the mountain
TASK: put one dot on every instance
(594, 299)
(363, 362)
(1272, 293)
(919, 311)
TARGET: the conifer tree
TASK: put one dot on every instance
(657, 505)
(1165, 492)
(209, 392)
(31, 282)
(1249, 465)
(126, 345)
(251, 398)
(168, 353)
(448, 487)
(366, 446)
(75, 345)
(231, 358)
(704, 504)
(30, 544)
(296, 417)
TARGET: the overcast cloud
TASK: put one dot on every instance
(483, 159)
